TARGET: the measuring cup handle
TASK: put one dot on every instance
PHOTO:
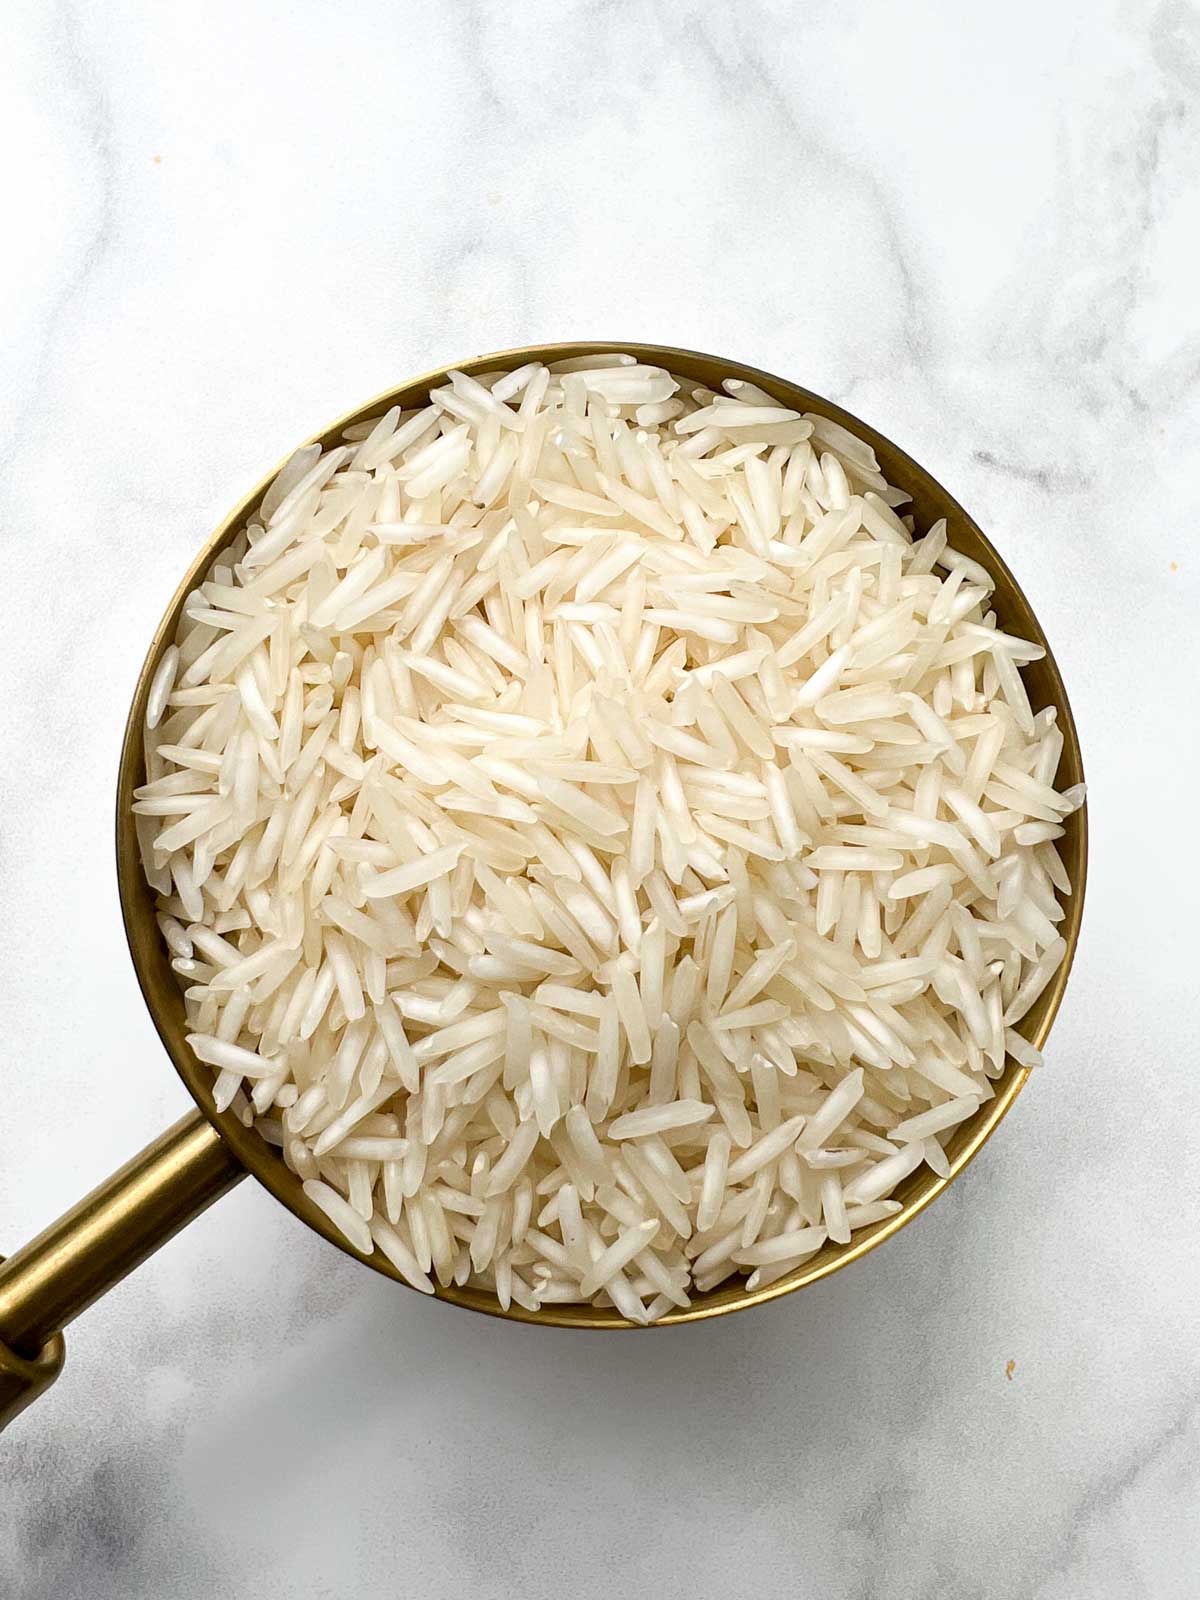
(75, 1260)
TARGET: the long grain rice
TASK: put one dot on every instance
(603, 846)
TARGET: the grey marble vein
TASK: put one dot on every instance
(1104, 1494)
(84, 117)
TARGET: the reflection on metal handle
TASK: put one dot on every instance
(76, 1259)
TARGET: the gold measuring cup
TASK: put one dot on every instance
(82, 1255)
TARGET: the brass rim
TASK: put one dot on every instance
(930, 501)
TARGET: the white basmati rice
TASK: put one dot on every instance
(601, 849)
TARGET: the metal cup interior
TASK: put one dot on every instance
(160, 985)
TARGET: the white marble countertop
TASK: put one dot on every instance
(977, 227)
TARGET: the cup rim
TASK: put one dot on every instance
(160, 988)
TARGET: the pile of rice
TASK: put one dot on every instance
(604, 849)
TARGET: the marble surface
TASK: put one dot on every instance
(976, 226)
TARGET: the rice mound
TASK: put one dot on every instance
(604, 848)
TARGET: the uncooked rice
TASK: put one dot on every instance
(602, 846)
